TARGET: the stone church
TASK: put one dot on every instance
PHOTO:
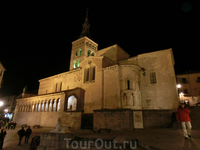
(100, 81)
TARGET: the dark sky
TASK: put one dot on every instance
(36, 38)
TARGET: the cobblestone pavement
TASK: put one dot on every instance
(153, 139)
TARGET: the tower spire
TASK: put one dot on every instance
(86, 26)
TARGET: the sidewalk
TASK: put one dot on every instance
(12, 139)
(154, 139)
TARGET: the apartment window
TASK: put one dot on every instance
(184, 80)
(153, 77)
(198, 80)
(185, 91)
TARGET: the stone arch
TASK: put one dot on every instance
(39, 106)
(124, 99)
(58, 104)
(72, 103)
(127, 98)
(54, 105)
(42, 105)
(128, 83)
(50, 105)
(46, 105)
(89, 72)
(35, 107)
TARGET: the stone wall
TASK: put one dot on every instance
(49, 119)
(122, 119)
(162, 94)
(114, 119)
(157, 118)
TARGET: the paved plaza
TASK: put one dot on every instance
(154, 139)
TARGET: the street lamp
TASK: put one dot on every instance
(178, 86)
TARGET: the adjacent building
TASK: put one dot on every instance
(189, 87)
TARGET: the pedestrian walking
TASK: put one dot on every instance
(182, 116)
(21, 134)
(27, 134)
(2, 137)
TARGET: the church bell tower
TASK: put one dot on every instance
(83, 47)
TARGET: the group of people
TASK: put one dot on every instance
(21, 134)
(11, 125)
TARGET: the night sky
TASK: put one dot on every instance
(36, 38)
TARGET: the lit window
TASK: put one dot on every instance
(78, 62)
(74, 66)
(79, 52)
(88, 53)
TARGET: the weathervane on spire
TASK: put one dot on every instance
(86, 26)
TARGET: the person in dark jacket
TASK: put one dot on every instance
(21, 134)
(28, 133)
(2, 137)
(182, 116)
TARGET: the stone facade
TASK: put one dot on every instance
(101, 79)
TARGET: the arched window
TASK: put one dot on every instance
(93, 72)
(46, 106)
(92, 54)
(86, 74)
(58, 105)
(124, 102)
(39, 106)
(75, 54)
(89, 73)
(88, 54)
(72, 103)
(56, 87)
(128, 84)
(35, 107)
(50, 105)
(74, 66)
(78, 62)
(54, 105)
(60, 86)
(42, 109)
(79, 52)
